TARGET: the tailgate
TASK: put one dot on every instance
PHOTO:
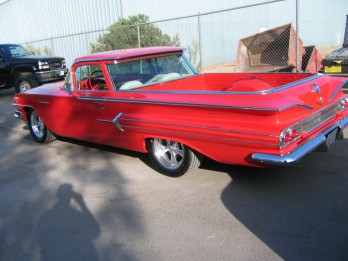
(314, 92)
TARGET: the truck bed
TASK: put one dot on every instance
(230, 82)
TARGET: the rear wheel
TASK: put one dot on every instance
(173, 158)
(38, 129)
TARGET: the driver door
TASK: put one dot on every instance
(85, 106)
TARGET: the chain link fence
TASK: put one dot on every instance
(280, 35)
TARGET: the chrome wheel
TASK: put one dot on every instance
(172, 158)
(37, 125)
(169, 153)
(38, 129)
(24, 86)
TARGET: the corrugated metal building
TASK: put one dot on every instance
(68, 27)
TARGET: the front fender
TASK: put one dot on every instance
(23, 68)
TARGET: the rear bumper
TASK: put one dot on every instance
(293, 158)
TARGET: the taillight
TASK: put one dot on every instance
(308, 124)
(288, 136)
(344, 103)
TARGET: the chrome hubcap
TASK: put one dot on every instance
(169, 153)
(37, 125)
(24, 86)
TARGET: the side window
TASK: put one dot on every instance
(130, 74)
(90, 77)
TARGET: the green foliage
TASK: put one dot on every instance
(124, 34)
(30, 47)
(47, 51)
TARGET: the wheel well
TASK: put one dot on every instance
(147, 143)
(28, 110)
(22, 71)
(148, 140)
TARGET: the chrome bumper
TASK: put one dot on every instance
(18, 114)
(51, 75)
(293, 158)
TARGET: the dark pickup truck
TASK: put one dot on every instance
(24, 70)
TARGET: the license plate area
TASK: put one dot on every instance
(331, 138)
(333, 69)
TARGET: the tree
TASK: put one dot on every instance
(124, 34)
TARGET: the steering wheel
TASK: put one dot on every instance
(99, 71)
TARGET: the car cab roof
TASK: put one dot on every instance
(128, 53)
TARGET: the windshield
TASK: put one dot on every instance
(139, 73)
(17, 51)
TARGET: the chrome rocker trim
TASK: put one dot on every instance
(293, 158)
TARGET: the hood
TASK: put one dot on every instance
(38, 58)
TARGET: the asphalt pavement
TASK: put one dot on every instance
(71, 200)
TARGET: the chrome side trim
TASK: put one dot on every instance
(333, 95)
(194, 105)
(200, 136)
(115, 121)
(293, 158)
(201, 127)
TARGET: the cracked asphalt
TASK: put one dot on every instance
(71, 200)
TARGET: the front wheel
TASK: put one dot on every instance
(38, 129)
(25, 82)
(173, 158)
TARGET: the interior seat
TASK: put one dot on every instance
(170, 76)
(131, 85)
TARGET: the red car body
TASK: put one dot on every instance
(152, 100)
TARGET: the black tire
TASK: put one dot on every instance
(172, 158)
(25, 82)
(38, 130)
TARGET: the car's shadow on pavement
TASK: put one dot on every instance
(299, 213)
(143, 157)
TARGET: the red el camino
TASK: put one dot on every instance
(152, 100)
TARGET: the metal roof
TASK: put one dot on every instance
(128, 53)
